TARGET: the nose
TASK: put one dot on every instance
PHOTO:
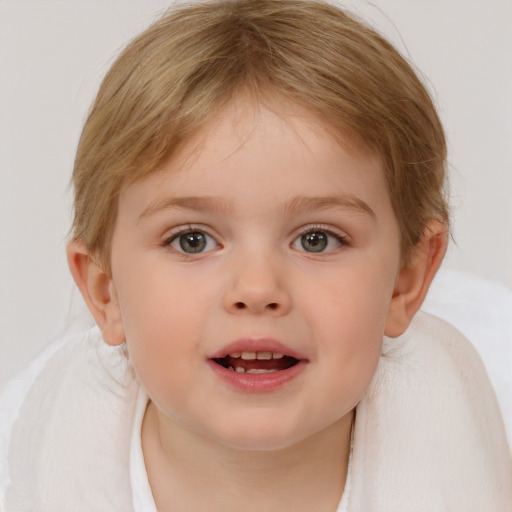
(257, 287)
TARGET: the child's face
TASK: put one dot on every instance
(266, 236)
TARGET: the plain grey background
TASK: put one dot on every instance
(54, 53)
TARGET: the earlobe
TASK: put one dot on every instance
(98, 291)
(415, 277)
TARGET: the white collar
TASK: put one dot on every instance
(141, 490)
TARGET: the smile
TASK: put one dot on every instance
(257, 365)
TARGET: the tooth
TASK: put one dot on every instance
(231, 368)
(248, 355)
(235, 355)
(258, 370)
(276, 355)
(264, 355)
(240, 369)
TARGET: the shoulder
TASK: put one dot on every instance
(11, 400)
(482, 310)
(431, 357)
(75, 402)
(431, 341)
(434, 364)
(429, 434)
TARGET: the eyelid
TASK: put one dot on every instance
(338, 233)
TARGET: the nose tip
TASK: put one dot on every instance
(257, 291)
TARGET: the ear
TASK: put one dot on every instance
(414, 278)
(98, 291)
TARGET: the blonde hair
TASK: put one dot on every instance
(176, 75)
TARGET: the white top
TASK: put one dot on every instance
(141, 491)
(428, 435)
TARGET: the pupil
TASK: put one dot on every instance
(315, 241)
(193, 242)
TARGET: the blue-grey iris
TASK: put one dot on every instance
(314, 241)
(193, 242)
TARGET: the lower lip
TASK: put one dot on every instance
(257, 382)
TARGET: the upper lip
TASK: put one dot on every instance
(257, 345)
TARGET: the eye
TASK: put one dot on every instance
(191, 242)
(318, 240)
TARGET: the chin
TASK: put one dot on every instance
(259, 443)
(260, 436)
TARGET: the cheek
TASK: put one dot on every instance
(159, 300)
(163, 327)
(348, 320)
(354, 304)
(351, 350)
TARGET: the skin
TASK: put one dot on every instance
(256, 176)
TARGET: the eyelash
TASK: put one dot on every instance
(311, 229)
(342, 239)
(183, 231)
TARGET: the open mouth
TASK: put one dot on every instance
(256, 362)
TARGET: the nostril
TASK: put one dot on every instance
(241, 305)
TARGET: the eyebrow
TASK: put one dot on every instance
(296, 205)
(199, 203)
(307, 204)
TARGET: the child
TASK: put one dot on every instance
(259, 213)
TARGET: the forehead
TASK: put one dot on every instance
(279, 152)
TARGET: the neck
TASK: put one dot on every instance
(190, 472)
